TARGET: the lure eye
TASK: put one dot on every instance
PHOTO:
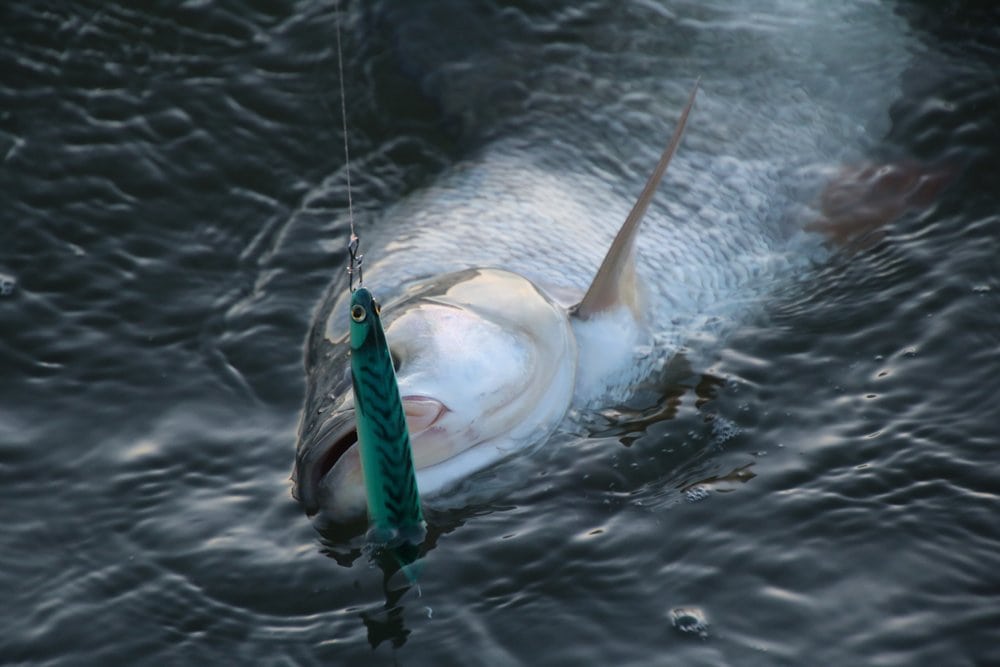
(358, 313)
(378, 307)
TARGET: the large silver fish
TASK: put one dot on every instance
(488, 362)
(494, 316)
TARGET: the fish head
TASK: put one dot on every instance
(485, 363)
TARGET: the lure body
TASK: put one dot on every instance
(384, 440)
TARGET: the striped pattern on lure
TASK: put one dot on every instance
(384, 440)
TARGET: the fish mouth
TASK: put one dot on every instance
(317, 457)
(320, 454)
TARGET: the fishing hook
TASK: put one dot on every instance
(354, 261)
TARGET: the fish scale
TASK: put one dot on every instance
(695, 253)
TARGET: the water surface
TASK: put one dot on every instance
(823, 488)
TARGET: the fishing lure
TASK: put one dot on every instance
(394, 511)
(383, 438)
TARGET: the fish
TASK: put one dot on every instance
(511, 306)
(487, 364)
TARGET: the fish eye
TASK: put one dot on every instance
(358, 313)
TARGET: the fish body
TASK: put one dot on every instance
(481, 270)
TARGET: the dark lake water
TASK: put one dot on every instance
(174, 209)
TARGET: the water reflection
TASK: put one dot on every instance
(657, 400)
(401, 566)
(387, 624)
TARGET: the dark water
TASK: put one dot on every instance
(174, 207)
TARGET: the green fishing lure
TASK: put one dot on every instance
(384, 440)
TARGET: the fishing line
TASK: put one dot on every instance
(385, 451)
(353, 245)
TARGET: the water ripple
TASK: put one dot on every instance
(820, 488)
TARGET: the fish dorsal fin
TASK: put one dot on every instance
(616, 277)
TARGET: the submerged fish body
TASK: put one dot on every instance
(478, 273)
